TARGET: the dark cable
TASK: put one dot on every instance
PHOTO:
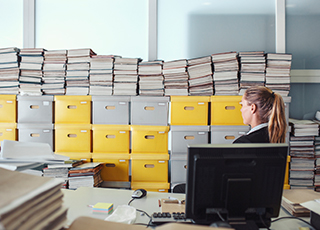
(292, 217)
(131, 201)
(149, 223)
(219, 214)
(261, 219)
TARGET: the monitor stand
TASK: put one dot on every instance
(247, 225)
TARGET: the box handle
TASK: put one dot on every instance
(1, 105)
(229, 137)
(188, 108)
(185, 166)
(110, 165)
(230, 107)
(1, 134)
(71, 106)
(34, 135)
(161, 190)
(109, 107)
(34, 106)
(149, 137)
(72, 135)
(111, 136)
(149, 108)
(149, 166)
(189, 137)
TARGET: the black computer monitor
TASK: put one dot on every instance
(237, 183)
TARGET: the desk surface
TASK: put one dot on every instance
(79, 201)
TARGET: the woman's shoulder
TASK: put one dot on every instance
(259, 136)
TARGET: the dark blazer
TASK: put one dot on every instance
(259, 136)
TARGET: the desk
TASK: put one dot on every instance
(78, 200)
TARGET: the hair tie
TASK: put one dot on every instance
(272, 94)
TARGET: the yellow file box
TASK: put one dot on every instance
(189, 110)
(72, 109)
(286, 178)
(8, 108)
(225, 110)
(73, 137)
(149, 139)
(8, 131)
(151, 186)
(149, 167)
(116, 166)
(110, 138)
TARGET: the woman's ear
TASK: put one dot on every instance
(253, 108)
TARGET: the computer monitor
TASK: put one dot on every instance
(241, 184)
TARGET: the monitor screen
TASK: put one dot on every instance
(236, 183)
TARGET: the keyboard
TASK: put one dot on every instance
(166, 217)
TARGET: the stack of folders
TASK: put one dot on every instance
(54, 72)
(85, 175)
(125, 76)
(9, 70)
(30, 80)
(292, 199)
(278, 72)
(200, 76)
(317, 163)
(225, 76)
(151, 78)
(101, 75)
(78, 65)
(252, 69)
(176, 77)
(30, 202)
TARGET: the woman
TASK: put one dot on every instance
(264, 111)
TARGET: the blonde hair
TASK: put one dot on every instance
(271, 110)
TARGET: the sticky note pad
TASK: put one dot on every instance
(103, 208)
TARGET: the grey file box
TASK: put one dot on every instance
(149, 110)
(226, 134)
(35, 109)
(110, 110)
(287, 101)
(178, 167)
(42, 133)
(182, 136)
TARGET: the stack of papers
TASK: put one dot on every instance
(304, 127)
(9, 70)
(30, 202)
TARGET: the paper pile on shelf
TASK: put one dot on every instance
(9, 70)
(176, 77)
(54, 72)
(278, 72)
(252, 69)
(151, 78)
(78, 65)
(30, 80)
(225, 75)
(125, 76)
(101, 74)
(200, 76)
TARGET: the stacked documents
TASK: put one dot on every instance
(30, 202)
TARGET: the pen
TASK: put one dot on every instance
(159, 203)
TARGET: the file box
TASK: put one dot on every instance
(32, 132)
(286, 177)
(225, 110)
(8, 108)
(35, 109)
(149, 139)
(110, 138)
(178, 168)
(286, 101)
(151, 186)
(149, 167)
(8, 132)
(149, 110)
(189, 110)
(72, 109)
(182, 136)
(110, 110)
(72, 137)
(226, 134)
(116, 166)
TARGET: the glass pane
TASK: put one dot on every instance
(11, 26)
(107, 26)
(304, 100)
(303, 33)
(193, 28)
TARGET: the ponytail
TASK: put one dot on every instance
(277, 126)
